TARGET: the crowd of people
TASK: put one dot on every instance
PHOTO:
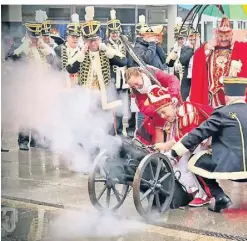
(178, 110)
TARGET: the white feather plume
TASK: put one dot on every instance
(113, 14)
(75, 18)
(179, 20)
(40, 16)
(142, 19)
(89, 13)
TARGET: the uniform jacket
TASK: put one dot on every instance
(81, 63)
(152, 120)
(26, 53)
(151, 53)
(118, 73)
(228, 127)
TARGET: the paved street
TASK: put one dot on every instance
(52, 204)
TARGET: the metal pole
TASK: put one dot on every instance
(136, 17)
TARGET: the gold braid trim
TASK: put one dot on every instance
(105, 66)
(85, 69)
(64, 57)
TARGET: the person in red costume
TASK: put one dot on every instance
(139, 83)
(179, 121)
(214, 60)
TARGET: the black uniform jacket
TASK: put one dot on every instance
(228, 158)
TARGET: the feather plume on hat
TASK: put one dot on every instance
(179, 20)
(40, 16)
(113, 14)
(142, 19)
(75, 18)
(89, 13)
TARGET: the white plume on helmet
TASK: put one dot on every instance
(75, 18)
(89, 13)
(40, 16)
(113, 14)
(142, 19)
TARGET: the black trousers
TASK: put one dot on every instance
(23, 137)
(214, 187)
(185, 88)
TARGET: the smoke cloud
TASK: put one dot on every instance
(74, 225)
(71, 121)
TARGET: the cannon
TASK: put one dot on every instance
(149, 173)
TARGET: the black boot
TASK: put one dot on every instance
(4, 150)
(220, 204)
(23, 147)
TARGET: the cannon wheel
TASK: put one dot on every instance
(109, 180)
(154, 182)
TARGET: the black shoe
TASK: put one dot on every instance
(4, 150)
(220, 204)
(23, 147)
(131, 133)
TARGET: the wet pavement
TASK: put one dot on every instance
(42, 200)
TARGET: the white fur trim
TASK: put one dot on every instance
(75, 18)
(113, 14)
(79, 56)
(179, 148)
(40, 16)
(142, 19)
(235, 68)
(213, 175)
(89, 13)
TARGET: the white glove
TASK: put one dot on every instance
(171, 158)
(25, 47)
(102, 47)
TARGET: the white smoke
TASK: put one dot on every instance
(36, 98)
(74, 225)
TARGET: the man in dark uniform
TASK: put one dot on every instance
(33, 50)
(93, 63)
(228, 127)
(118, 73)
(69, 49)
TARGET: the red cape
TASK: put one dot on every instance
(239, 52)
(199, 81)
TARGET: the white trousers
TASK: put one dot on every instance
(188, 179)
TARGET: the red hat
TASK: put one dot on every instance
(159, 97)
(225, 26)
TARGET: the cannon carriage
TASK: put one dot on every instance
(149, 173)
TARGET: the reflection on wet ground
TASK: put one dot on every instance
(38, 176)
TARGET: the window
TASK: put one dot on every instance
(59, 14)
(208, 30)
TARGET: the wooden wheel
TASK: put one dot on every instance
(154, 185)
(106, 187)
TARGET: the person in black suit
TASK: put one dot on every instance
(228, 128)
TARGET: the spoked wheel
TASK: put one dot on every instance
(154, 185)
(106, 187)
